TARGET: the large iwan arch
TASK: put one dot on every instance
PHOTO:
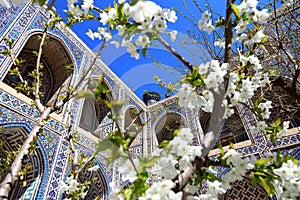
(55, 58)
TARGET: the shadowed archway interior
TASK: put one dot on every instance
(54, 60)
(27, 185)
(166, 126)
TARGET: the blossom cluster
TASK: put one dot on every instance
(162, 191)
(288, 186)
(79, 10)
(181, 147)
(145, 18)
(187, 97)
(71, 186)
(239, 167)
(241, 89)
(213, 74)
(250, 14)
(205, 23)
(150, 18)
(128, 170)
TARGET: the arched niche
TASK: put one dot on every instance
(11, 139)
(98, 182)
(94, 112)
(233, 130)
(55, 57)
(99, 188)
(131, 114)
(167, 124)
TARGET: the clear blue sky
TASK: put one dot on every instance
(138, 74)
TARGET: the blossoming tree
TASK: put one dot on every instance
(178, 170)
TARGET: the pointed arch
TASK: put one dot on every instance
(12, 137)
(130, 115)
(98, 188)
(55, 58)
(166, 124)
(95, 113)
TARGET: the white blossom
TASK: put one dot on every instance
(220, 43)
(241, 26)
(104, 17)
(201, 24)
(206, 15)
(128, 170)
(87, 4)
(252, 3)
(261, 16)
(289, 183)
(94, 168)
(165, 167)
(143, 10)
(116, 43)
(203, 69)
(162, 191)
(143, 41)
(185, 134)
(160, 24)
(173, 35)
(90, 33)
(214, 188)
(114, 192)
(257, 38)
(260, 126)
(112, 13)
(187, 97)
(170, 15)
(286, 125)
(209, 27)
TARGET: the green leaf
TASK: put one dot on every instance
(265, 185)
(254, 180)
(235, 10)
(104, 144)
(260, 162)
(116, 109)
(149, 162)
(211, 177)
(220, 22)
(128, 193)
(221, 150)
(164, 143)
(257, 101)
(259, 174)
(115, 153)
(84, 94)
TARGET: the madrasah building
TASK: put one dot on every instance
(50, 164)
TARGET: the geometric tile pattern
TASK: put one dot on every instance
(9, 16)
(245, 190)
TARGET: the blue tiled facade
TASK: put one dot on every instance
(19, 23)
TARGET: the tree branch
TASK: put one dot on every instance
(218, 112)
(175, 53)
